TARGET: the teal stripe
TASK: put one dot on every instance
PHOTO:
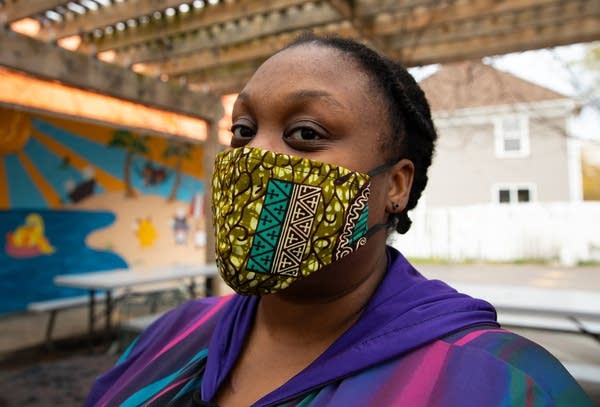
(190, 386)
(146, 393)
(127, 352)
(306, 401)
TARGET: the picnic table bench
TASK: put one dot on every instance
(112, 285)
(53, 307)
(544, 308)
(550, 309)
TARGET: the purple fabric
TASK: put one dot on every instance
(418, 343)
(406, 312)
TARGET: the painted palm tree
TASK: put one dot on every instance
(132, 144)
(180, 150)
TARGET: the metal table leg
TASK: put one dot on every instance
(192, 288)
(108, 313)
(91, 317)
(209, 286)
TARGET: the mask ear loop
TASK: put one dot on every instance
(376, 228)
(376, 171)
(382, 168)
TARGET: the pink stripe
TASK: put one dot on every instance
(222, 301)
(418, 389)
(530, 392)
(474, 335)
(166, 389)
(192, 328)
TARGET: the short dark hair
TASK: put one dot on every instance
(412, 132)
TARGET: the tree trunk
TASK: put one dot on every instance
(177, 180)
(210, 147)
(129, 191)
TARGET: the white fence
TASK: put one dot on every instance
(565, 231)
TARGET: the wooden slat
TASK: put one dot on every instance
(118, 11)
(198, 20)
(16, 10)
(222, 87)
(364, 8)
(472, 10)
(547, 17)
(208, 58)
(217, 73)
(273, 24)
(48, 61)
(580, 30)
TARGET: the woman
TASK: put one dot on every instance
(331, 148)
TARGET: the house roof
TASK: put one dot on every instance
(472, 84)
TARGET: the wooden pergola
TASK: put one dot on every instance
(182, 55)
(212, 47)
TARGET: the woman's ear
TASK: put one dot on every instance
(400, 182)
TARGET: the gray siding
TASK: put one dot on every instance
(465, 167)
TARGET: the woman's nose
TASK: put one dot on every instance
(269, 139)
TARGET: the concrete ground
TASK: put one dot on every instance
(32, 377)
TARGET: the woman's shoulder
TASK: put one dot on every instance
(499, 359)
(177, 339)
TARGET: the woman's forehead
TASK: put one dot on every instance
(311, 68)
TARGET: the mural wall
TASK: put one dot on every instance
(77, 197)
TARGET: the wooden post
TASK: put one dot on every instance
(211, 147)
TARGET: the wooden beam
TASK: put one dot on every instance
(208, 58)
(223, 86)
(570, 32)
(344, 7)
(445, 12)
(104, 16)
(209, 151)
(261, 48)
(370, 8)
(232, 78)
(220, 14)
(16, 10)
(54, 63)
(259, 27)
(346, 10)
(219, 73)
(544, 18)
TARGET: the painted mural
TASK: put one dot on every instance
(77, 197)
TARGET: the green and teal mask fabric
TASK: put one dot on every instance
(279, 218)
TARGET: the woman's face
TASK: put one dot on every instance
(314, 102)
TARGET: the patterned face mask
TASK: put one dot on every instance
(279, 218)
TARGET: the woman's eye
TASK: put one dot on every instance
(242, 131)
(303, 134)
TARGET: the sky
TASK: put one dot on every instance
(554, 68)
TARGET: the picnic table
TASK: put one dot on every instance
(110, 281)
(538, 307)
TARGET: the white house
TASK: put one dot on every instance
(501, 139)
(506, 179)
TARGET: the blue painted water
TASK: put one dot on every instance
(23, 280)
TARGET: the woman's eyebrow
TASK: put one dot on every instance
(303, 94)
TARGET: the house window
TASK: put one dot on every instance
(512, 136)
(513, 193)
(504, 195)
